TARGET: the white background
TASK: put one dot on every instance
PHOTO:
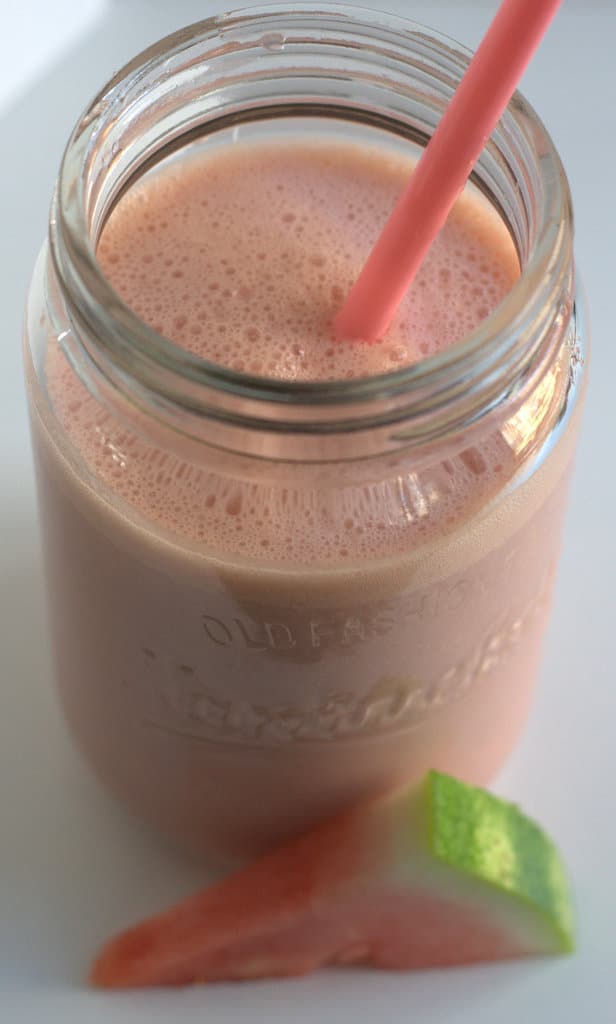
(73, 867)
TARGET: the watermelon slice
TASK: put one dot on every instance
(438, 875)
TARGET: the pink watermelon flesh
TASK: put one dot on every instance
(444, 874)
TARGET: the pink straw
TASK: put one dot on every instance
(444, 167)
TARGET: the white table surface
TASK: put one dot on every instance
(73, 866)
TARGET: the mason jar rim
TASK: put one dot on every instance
(127, 348)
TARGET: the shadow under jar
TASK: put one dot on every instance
(230, 699)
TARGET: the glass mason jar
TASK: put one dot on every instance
(234, 697)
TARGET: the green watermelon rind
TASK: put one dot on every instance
(491, 842)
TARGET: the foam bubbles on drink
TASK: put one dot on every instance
(243, 258)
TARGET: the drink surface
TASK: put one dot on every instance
(243, 257)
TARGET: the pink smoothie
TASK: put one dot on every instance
(257, 649)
